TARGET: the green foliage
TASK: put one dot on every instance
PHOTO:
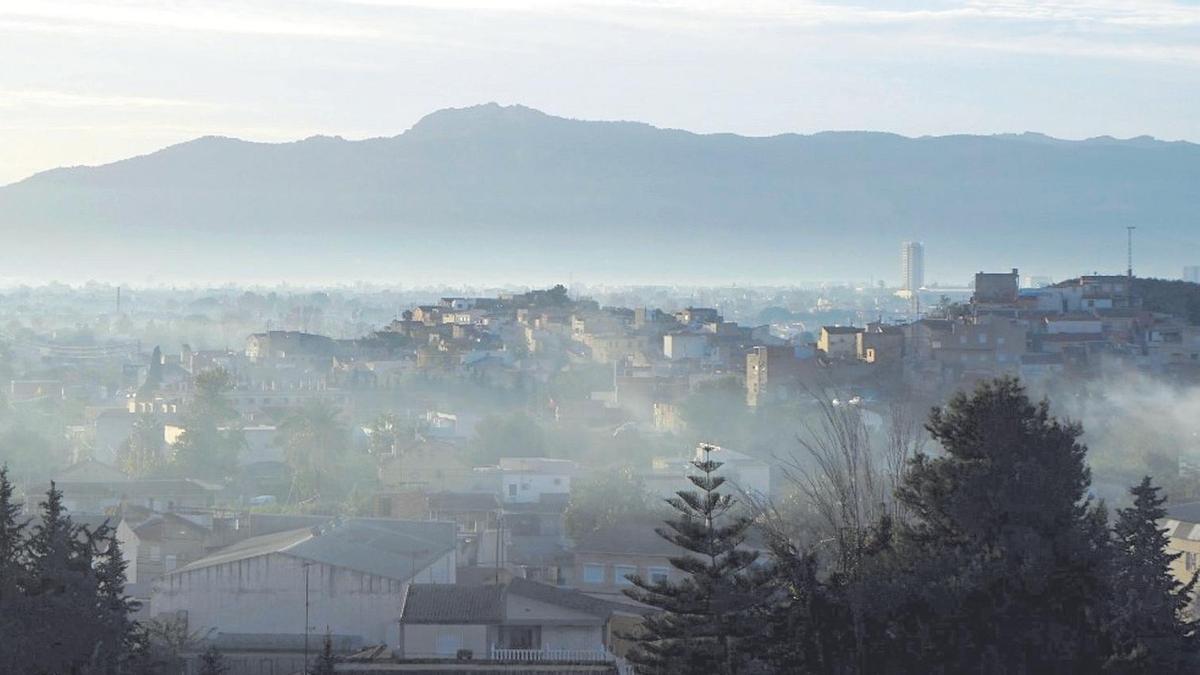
(1006, 559)
(515, 435)
(607, 498)
(386, 434)
(142, 453)
(62, 594)
(211, 438)
(1178, 298)
(314, 441)
(154, 373)
(212, 662)
(577, 382)
(703, 623)
(1151, 631)
(716, 410)
(326, 662)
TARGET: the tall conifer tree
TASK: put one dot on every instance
(705, 619)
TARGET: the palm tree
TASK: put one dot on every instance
(312, 438)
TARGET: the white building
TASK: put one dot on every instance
(351, 575)
(685, 346)
(525, 480)
(912, 266)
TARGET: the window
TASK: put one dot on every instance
(512, 489)
(621, 573)
(593, 574)
(169, 563)
(658, 575)
(155, 553)
(1189, 561)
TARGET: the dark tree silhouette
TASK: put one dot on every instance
(1006, 559)
(1151, 633)
(704, 618)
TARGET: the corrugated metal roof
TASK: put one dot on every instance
(388, 549)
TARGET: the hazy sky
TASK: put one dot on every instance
(88, 82)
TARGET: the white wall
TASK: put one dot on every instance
(422, 641)
(573, 637)
(266, 595)
(685, 346)
(531, 486)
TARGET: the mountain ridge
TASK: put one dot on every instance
(520, 191)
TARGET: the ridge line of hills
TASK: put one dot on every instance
(512, 189)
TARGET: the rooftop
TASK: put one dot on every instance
(391, 549)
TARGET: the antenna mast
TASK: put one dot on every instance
(1129, 251)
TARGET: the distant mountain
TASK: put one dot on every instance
(492, 192)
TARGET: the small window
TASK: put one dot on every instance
(593, 574)
(659, 575)
(1189, 561)
(169, 563)
(622, 574)
(512, 489)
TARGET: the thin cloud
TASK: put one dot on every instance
(198, 17)
(13, 98)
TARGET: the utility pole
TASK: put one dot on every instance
(1129, 263)
(306, 566)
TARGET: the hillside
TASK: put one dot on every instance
(493, 192)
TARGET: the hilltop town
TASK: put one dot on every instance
(499, 463)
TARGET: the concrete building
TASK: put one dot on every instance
(912, 266)
(351, 574)
(685, 346)
(880, 343)
(530, 479)
(838, 342)
(772, 374)
(606, 558)
(996, 288)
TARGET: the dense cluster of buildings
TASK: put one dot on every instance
(459, 560)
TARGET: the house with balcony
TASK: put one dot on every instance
(514, 621)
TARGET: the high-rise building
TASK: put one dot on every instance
(1192, 273)
(912, 265)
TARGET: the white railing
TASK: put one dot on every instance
(502, 654)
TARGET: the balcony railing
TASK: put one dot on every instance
(570, 655)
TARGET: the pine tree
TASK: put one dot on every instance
(326, 661)
(1006, 559)
(212, 662)
(113, 608)
(63, 591)
(1150, 631)
(14, 606)
(704, 619)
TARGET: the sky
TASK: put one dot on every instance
(92, 82)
